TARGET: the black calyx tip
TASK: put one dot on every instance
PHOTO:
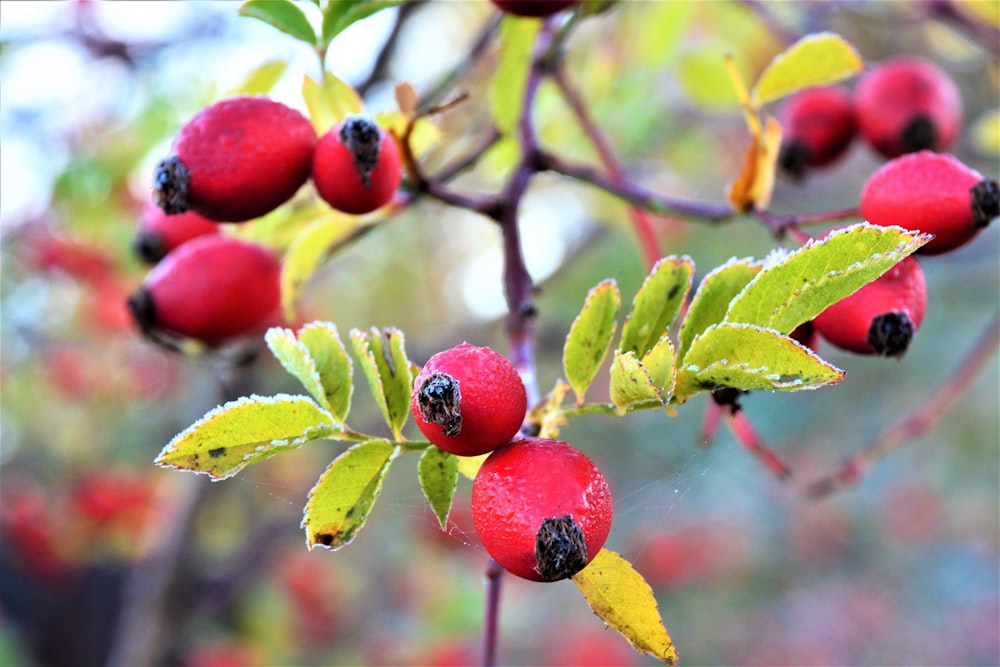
(919, 134)
(143, 310)
(560, 549)
(149, 246)
(985, 202)
(170, 185)
(439, 399)
(793, 158)
(890, 334)
(728, 397)
(362, 138)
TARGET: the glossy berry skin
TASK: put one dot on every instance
(236, 160)
(159, 233)
(882, 317)
(907, 104)
(818, 127)
(541, 508)
(469, 400)
(212, 289)
(534, 8)
(356, 168)
(934, 193)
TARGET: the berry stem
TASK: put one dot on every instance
(922, 419)
(751, 441)
(493, 575)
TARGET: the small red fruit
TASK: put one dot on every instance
(356, 168)
(541, 508)
(933, 193)
(908, 104)
(236, 160)
(536, 8)
(880, 318)
(818, 126)
(469, 400)
(159, 233)
(212, 289)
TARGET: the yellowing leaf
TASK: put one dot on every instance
(630, 383)
(712, 299)
(329, 101)
(753, 187)
(589, 337)
(245, 431)
(468, 466)
(438, 472)
(517, 40)
(383, 361)
(815, 60)
(343, 497)
(623, 599)
(332, 364)
(261, 80)
(656, 304)
(424, 135)
(296, 360)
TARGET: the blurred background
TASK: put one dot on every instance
(106, 559)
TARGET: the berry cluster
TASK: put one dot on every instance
(234, 161)
(907, 110)
(541, 508)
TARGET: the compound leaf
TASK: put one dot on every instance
(283, 15)
(712, 298)
(438, 472)
(623, 599)
(384, 363)
(589, 337)
(245, 431)
(630, 383)
(656, 304)
(332, 364)
(815, 60)
(339, 504)
(743, 356)
(802, 284)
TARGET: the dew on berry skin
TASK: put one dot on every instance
(560, 548)
(440, 402)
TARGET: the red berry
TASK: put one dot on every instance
(469, 400)
(541, 508)
(907, 104)
(818, 126)
(356, 168)
(159, 233)
(535, 8)
(933, 193)
(236, 160)
(880, 318)
(212, 288)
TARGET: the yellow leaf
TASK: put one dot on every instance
(981, 10)
(623, 599)
(753, 187)
(329, 101)
(749, 110)
(815, 60)
(470, 465)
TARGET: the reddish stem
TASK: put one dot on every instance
(493, 575)
(751, 440)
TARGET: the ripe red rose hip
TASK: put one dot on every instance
(236, 160)
(933, 193)
(537, 8)
(159, 233)
(469, 400)
(882, 317)
(818, 127)
(541, 508)
(356, 168)
(907, 104)
(213, 288)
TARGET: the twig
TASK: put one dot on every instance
(388, 49)
(493, 575)
(916, 423)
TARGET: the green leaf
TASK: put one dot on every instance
(329, 101)
(794, 289)
(815, 60)
(517, 41)
(701, 72)
(438, 472)
(342, 499)
(389, 372)
(656, 304)
(623, 599)
(283, 15)
(262, 79)
(630, 383)
(341, 14)
(332, 364)
(296, 359)
(743, 356)
(660, 365)
(307, 251)
(589, 338)
(246, 431)
(711, 300)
